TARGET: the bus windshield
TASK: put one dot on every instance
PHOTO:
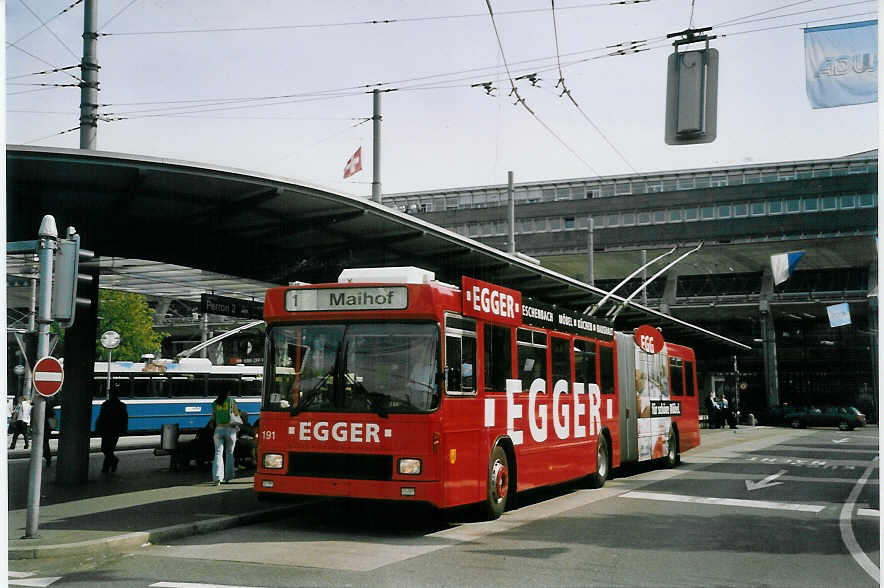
(353, 367)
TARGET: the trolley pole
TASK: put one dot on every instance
(48, 244)
(89, 75)
(376, 147)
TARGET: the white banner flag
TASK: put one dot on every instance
(841, 64)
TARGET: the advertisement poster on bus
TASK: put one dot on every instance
(652, 398)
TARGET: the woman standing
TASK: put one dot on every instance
(223, 410)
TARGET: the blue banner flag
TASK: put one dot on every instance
(841, 64)
(783, 264)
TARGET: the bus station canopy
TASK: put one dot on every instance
(189, 228)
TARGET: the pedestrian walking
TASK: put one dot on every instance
(226, 416)
(50, 423)
(21, 421)
(112, 423)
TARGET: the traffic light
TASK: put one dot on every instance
(67, 277)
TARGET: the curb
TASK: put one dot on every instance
(129, 541)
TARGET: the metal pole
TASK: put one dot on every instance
(644, 276)
(48, 243)
(110, 354)
(376, 147)
(32, 315)
(511, 216)
(89, 75)
(590, 270)
(204, 332)
(736, 385)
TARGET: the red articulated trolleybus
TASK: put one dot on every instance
(391, 385)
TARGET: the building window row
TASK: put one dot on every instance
(491, 197)
(707, 212)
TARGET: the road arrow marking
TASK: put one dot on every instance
(765, 483)
(844, 440)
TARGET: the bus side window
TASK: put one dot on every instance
(676, 377)
(560, 360)
(689, 378)
(584, 362)
(606, 368)
(531, 347)
(460, 356)
(498, 357)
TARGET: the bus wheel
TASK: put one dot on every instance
(603, 464)
(498, 483)
(672, 456)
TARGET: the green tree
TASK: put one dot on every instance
(129, 315)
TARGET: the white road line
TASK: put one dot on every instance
(724, 501)
(194, 585)
(847, 528)
(25, 580)
(868, 512)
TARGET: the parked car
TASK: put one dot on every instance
(844, 417)
(774, 415)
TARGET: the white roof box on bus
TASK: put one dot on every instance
(387, 275)
(195, 363)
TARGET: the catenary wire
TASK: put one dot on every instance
(51, 32)
(522, 101)
(567, 92)
(77, 128)
(31, 32)
(119, 12)
(44, 72)
(40, 59)
(369, 22)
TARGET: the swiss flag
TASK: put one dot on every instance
(354, 164)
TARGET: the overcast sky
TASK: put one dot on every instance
(438, 131)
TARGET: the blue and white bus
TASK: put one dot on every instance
(164, 391)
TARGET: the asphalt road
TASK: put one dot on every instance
(787, 508)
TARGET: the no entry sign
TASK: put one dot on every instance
(48, 376)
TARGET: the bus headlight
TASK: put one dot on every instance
(272, 461)
(409, 466)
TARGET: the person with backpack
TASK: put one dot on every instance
(226, 416)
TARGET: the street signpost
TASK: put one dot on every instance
(109, 340)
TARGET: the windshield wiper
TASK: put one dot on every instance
(312, 394)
